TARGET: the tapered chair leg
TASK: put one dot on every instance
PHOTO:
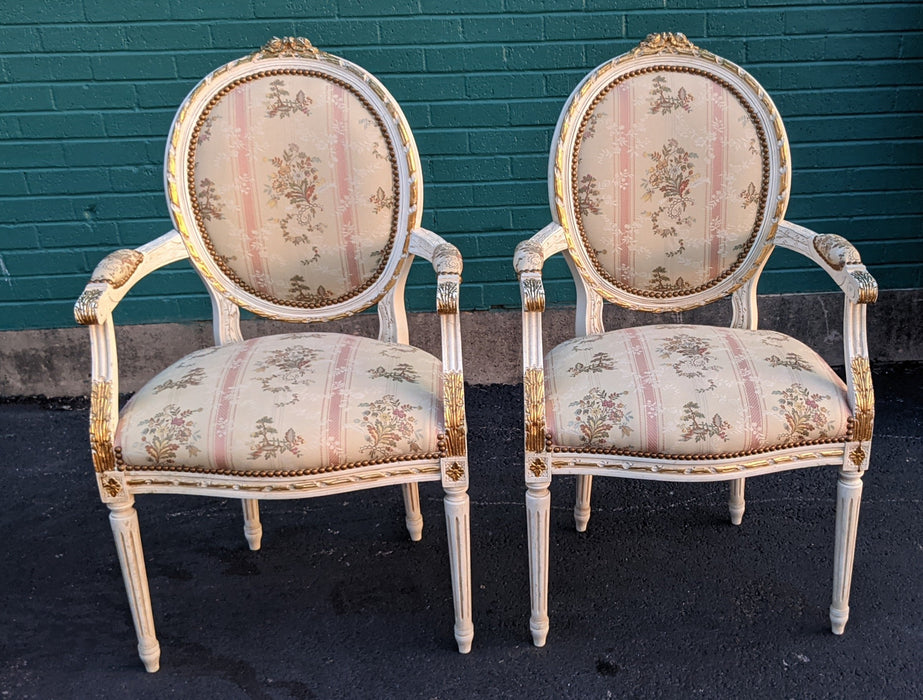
(124, 521)
(538, 512)
(413, 515)
(458, 530)
(736, 503)
(582, 506)
(253, 529)
(848, 496)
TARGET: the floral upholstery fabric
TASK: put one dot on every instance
(295, 402)
(294, 189)
(668, 181)
(691, 390)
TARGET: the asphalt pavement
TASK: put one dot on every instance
(661, 598)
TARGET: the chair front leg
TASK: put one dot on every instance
(538, 512)
(253, 529)
(124, 520)
(413, 515)
(736, 503)
(848, 496)
(582, 506)
(458, 530)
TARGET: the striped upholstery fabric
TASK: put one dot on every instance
(691, 390)
(288, 403)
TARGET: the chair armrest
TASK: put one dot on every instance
(118, 272)
(834, 254)
(447, 261)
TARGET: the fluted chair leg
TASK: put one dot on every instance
(458, 530)
(582, 506)
(736, 503)
(253, 529)
(413, 515)
(538, 511)
(848, 496)
(124, 521)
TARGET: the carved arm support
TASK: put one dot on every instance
(841, 260)
(109, 283)
(447, 262)
(528, 260)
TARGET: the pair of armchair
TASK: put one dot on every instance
(294, 186)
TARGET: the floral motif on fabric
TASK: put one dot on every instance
(279, 102)
(588, 195)
(205, 131)
(792, 360)
(295, 179)
(664, 101)
(167, 432)
(286, 368)
(804, 413)
(208, 200)
(267, 444)
(298, 289)
(671, 176)
(401, 373)
(598, 413)
(695, 426)
(661, 281)
(601, 362)
(592, 123)
(192, 377)
(387, 423)
(749, 196)
(695, 357)
(381, 201)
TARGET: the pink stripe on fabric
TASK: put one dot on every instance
(625, 197)
(225, 407)
(243, 171)
(750, 394)
(337, 390)
(342, 163)
(717, 170)
(651, 402)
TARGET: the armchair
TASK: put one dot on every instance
(669, 179)
(293, 182)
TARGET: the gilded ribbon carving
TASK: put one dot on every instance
(666, 42)
(865, 400)
(533, 294)
(117, 267)
(288, 46)
(454, 389)
(447, 298)
(86, 306)
(836, 251)
(534, 386)
(100, 435)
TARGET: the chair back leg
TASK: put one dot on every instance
(582, 506)
(253, 529)
(736, 503)
(413, 515)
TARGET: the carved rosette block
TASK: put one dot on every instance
(836, 251)
(533, 294)
(857, 456)
(117, 267)
(865, 400)
(534, 389)
(288, 46)
(85, 310)
(454, 397)
(538, 468)
(455, 471)
(100, 436)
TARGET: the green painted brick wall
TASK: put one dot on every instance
(88, 89)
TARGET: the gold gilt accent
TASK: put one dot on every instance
(533, 294)
(455, 472)
(117, 267)
(534, 387)
(110, 486)
(100, 435)
(666, 42)
(537, 467)
(868, 287)
(836, 251)
(857, 455)
(289, 46)
(447, 298)
(865, 399)
(454, 388)
(85, 308)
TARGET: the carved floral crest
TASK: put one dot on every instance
(288, 46)
(666, 42)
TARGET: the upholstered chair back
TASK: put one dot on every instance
(291, 175)
(669, 175)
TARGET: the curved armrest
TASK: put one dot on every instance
(834, 254)
(119, 272)
(447, 261)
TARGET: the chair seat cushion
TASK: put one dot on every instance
(286, 404)
(691, 390)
